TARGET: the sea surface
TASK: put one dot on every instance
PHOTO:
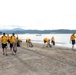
(60, 39)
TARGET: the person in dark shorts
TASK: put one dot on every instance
(12, 41)
(72, 38)
(4, 44)
(19, 41)
(53, 40)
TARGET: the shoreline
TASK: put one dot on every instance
(56, 46)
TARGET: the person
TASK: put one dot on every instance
(53, 40)
(4, 44)
(28, 42)
(72, 38)
(46, 42)
(12, 41)
(8, 38)
(19, 42)
(8, 41)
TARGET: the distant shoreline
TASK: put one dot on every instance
(23, 31)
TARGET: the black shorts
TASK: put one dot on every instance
(73, 42)
(44, 41)
(4, 45)
(11, 45)
(53, 42)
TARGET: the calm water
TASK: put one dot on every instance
(60, 39)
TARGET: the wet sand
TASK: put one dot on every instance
(39, 61)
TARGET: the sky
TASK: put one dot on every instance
(38, 14)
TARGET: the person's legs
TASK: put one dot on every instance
(73, 42)
(3, 49)
(30, 44)
(72, 46)
(11, 48)
(27, 44)
(6, 49)
(53, 42)
(45, 44)
(48, 44)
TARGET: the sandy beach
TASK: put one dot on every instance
(39, 61)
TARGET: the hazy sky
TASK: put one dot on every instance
(38, 14)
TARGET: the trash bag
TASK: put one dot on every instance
(18, 44)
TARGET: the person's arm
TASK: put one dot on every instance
(1, 39)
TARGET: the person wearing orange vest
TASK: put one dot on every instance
(72, 38)
(12, 41)
(4, 44)
(53, 40)
(46, 42)
(18, 42)
(28, 42)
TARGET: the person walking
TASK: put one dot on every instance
(12, 41)
(72, 38)
(4, 44)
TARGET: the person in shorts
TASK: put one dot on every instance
(53, 40)
(4, 44)
(72, 38)
(12, 41)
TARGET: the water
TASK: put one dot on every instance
(60, 39)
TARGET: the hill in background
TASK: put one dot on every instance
(22, 31)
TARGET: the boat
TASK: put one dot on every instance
(38, 34)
